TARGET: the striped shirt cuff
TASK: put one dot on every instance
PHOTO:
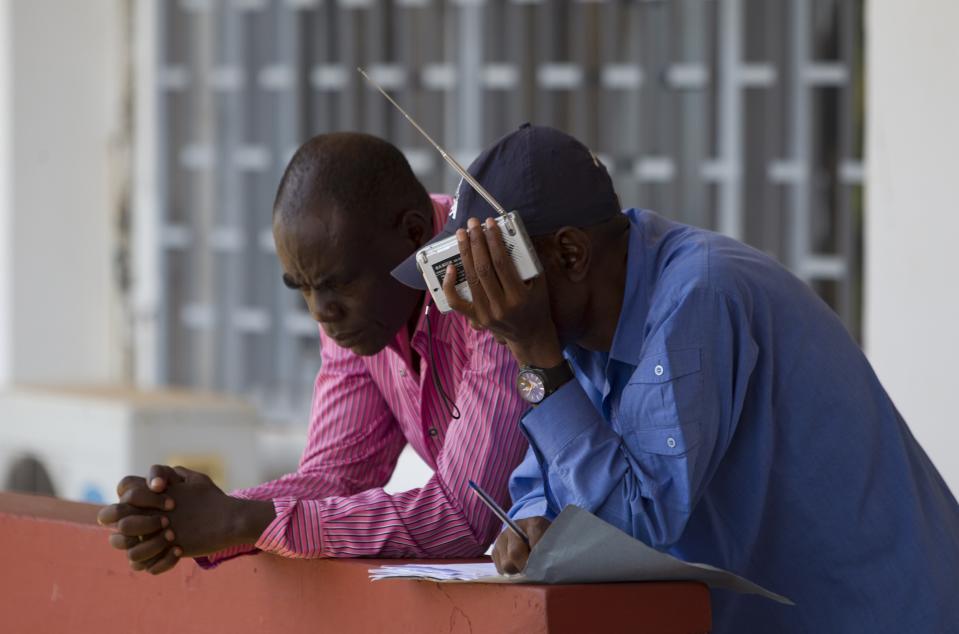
(291, 534)
(212, 561)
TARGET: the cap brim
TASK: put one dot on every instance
(408, 272)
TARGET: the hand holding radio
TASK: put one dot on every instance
(502, 302)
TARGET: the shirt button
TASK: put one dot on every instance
(658, 370)
(671, 442)
(433, 432)
(402, 372)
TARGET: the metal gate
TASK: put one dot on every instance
(744, 116)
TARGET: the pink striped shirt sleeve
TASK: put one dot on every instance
(334, 505)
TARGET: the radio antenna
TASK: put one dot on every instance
(449, 159)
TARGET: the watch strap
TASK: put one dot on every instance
(554, 377)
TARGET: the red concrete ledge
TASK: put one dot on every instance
(58, 574)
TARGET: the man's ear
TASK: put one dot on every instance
(415, 227)
(572, 248)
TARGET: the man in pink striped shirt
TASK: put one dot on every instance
(348, 210)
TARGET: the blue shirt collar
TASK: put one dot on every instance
(628, 341)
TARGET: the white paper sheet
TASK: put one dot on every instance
(436, 572)
(581, 548)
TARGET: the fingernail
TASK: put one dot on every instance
(156, 483)
(490, 223)
(168, 504)
(170, 536)
(178, 551)
(461, 235)
(164, 522)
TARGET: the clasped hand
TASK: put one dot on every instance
(173, 513)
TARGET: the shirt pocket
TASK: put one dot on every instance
(668, 458)
(677, 440)
(665, 390)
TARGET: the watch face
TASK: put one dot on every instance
(531, 386)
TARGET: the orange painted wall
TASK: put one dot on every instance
(59, 575)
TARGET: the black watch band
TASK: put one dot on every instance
(535, 384)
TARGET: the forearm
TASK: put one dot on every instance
(415, 523)
(542, 349)
(243, 526)
(443, 518)
(527, 489)
(573, 444)
(305, 484)
(248, 521)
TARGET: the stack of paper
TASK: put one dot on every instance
(581, 548)
(436, 572)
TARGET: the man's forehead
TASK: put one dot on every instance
(325, 225)
(320, 239)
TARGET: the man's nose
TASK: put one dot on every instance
(323, 308)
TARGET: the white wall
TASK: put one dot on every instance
(6, 195)
(59, 119)
(912, 226)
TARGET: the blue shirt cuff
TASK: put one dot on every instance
(534, 508)
(558, 420)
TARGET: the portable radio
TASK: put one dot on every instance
(433, 259)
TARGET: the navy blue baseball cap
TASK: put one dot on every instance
(546, 176)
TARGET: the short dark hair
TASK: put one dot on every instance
(353, 173)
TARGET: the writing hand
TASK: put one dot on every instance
(510, 551)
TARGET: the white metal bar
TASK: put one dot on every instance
(688, 76)
(469, 97)
(198, 316)
(621, 77)
(823, 267)
(655, 169)
(251, 320)
(799, 141)
(276, 77)
(852, 172)
(554, 76)
(173, 236)
(730, 217)
(170, 78)
(6, 195)
(438, 76)
(825, 74)
(227, 78)
(499, 76)
(757, 75)
(328, 77)
(252, 158)
(226, 236)
(300, 324)
(149, 199)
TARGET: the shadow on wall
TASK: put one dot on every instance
(28, 475)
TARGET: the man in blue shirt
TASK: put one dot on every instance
(692, 392)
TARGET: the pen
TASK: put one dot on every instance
(498, 511)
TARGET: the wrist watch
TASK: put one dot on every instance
(535, 384)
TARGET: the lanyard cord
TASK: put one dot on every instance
(448, 403)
